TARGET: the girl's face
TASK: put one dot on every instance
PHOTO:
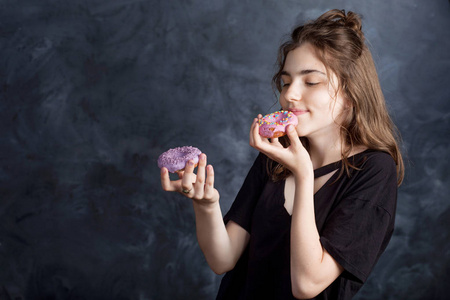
(310, 95)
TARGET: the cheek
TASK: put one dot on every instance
(340, 113)
(322, 103)
(282, 101)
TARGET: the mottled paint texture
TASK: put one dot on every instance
(92, 92)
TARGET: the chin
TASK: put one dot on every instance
(301, 134)
(301, 131)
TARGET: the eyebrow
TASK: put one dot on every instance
(303, 72)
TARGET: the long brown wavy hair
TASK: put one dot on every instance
(340, 44)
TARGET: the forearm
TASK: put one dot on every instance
(306, 250)
(222, 246)
(312, 268)
(213, 237)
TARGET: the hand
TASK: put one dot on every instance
(295, 157)
(199, 188)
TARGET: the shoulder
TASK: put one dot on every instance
(261, 158)
(375, 180)
(260, 165)
(375, 162)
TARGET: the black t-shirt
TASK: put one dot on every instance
(354, 216)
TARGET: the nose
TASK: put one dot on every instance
(292, 93)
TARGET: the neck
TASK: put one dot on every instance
(325, 150)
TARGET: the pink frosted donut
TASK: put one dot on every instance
(175, 159)
(274, 125)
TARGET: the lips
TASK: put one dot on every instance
(298, 112)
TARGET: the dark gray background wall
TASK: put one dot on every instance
(91, 92)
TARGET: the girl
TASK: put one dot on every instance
(317, 208)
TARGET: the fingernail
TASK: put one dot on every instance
(191, 163)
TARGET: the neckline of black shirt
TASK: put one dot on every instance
(319, 172)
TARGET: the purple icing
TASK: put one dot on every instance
(175, 159)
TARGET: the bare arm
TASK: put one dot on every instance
(222, 245)
(312, 268)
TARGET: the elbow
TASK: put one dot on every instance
(218, 271)
(303, 295)
(220, 264)
(305, 290)
(221, 269)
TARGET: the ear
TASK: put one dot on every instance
(348, 104)
(346, 115)
(348, 112)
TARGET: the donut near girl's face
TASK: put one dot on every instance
(277, 134)
(274, 125)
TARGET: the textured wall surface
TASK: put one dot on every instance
(91, 92)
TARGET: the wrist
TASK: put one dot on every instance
(205, 206)
(306, 174)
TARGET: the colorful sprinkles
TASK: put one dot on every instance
(274, 125)
(282, 117)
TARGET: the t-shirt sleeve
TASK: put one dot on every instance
(359, 228)
(241, 210)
